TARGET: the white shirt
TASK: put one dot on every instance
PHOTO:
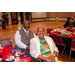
(35, 46)
(18, 41)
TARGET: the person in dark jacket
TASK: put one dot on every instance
(67, 22)
(73, 22)
(3, 22)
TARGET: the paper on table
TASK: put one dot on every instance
(58, 61)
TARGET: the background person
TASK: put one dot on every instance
(3, 22)
(73, 21)
(67, 22)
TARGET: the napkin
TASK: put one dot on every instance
(71, 36)
(25, 59)
(70, 29)
(6, 52)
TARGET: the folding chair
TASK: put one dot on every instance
(6, 41)
(58, 27)
(49, 30)
(58, 40)
(72, 47)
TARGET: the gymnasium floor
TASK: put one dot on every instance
(11, 30)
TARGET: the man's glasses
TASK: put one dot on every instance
(26, 27)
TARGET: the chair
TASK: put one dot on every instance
(49, 29)
(58, 40)
(72, 47)
(58, 27)
(6, 41)
(70, 25)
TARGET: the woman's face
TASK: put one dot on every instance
(41, 32)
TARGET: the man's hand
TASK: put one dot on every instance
(28, 47)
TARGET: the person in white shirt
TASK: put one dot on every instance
(23, 37)
(43, 47)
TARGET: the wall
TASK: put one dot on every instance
(51, 16)
(9, 16)
(0, 15)
(44, 16)
(62, 15)
(24, 16)
(0, 18)
(39, 16)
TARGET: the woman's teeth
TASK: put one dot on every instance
(41, 34)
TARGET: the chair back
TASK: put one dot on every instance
(73, 43)
(49, 29)
(70, 25)
(57, 38)
(58, 27)
(5, 41)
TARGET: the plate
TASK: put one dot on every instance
(10, 58)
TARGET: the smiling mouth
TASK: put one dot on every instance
(41, 34)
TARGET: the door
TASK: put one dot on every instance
(21, 14)
(14, 17)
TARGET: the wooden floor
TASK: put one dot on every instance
(11, 30)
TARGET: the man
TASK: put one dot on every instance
(67, 22)
(23, 37)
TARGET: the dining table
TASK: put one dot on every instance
(67, 35)
(17, 58)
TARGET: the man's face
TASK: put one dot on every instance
(27, 25)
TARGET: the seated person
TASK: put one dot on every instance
(43, 47)
(73, 21)
(67, 22)
(23, 37)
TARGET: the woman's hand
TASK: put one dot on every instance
(51, 58)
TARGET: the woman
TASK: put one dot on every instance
(42, 47)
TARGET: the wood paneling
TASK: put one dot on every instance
(61, 14)
(14, 17)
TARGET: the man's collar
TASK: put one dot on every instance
(25, 29)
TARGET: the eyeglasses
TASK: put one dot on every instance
(41, 31)
(26, 27)
(26, 24)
